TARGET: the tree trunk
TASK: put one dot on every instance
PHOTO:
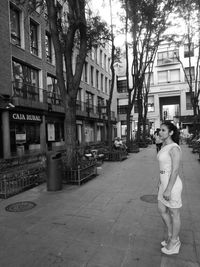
(128, 120)
(70, 133)
(109, 128)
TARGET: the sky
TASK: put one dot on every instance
(102, 8)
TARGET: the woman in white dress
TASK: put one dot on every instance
(170, 187)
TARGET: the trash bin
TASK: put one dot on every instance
(54, 171)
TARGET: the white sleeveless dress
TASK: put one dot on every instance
(165, 164)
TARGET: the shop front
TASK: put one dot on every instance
(25, 132)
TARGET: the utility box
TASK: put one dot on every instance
(54, 171)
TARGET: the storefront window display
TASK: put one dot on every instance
(24, 134)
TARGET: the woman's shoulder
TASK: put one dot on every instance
(174, 147)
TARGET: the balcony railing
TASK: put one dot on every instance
(33, 93)
(53, 98)
(92, 109)
(122, 109)
(26, 91)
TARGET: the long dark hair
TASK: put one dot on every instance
(172, 127)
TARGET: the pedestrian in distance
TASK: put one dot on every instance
(170, 187)
(158, 140)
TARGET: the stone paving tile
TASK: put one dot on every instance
(187, 252)
(107, 256)
(104, 222)
(141, 259)
(197, 237)
(187, 236)
(174, 261)
(80, 251)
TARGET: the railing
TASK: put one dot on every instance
(18, 174)
(26, 91)
(90, 108)
(122, 109)
(33, 93)
(53, 98)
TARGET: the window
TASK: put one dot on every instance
(59, 131)
(86, 72)
(100, 101)
(106, 85)
(109, 65)
(34, 37)
(122, 109)
(174, 75)
(151, 104)
(189, 72)
(122, 106)
(101, 58)
(48, 47)
(89, 101)
(100, 104)
(169, 76)
(189, 50)
(26, 81)
(136, 106)
(105, 61)
(15, 25)
(92, 75)
(188, 101)
(97, 79)
(96, 55)
(53, 91)
(123, 128)
(78, 99)
(102, 82)
(121, 86)
(167, 57)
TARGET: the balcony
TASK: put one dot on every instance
(168, 57)
(28, 95)
(89, 110)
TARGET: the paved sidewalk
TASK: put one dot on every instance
(103, 223)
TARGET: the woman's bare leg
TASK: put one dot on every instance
(167, 219)
(176, 225)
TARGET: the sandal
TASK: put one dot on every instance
(174, 250)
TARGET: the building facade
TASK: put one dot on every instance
(169, 97)
(31, 108)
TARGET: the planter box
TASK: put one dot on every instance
(115, 155)
(77, 176)
(134, 148)
(20, 174)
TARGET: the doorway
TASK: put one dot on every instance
(170, 109)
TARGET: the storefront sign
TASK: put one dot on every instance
(25, 117)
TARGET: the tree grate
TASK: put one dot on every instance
(20, 206)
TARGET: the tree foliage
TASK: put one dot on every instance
(148, 22)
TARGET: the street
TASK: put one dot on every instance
(104, 222)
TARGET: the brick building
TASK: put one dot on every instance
(31, 108)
